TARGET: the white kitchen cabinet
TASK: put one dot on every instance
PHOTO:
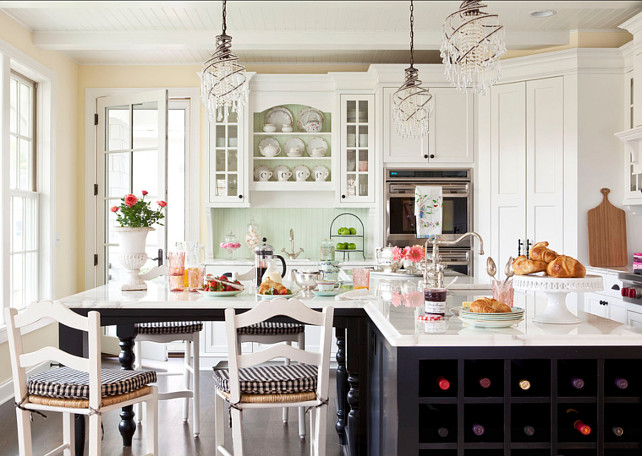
(634, 319)
(357, 164)
(526, 168)
(227, 162)
(632, 173)
(450, 136)
(605, 307)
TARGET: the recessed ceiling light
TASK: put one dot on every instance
(543, 13)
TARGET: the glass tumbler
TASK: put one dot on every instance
(503, 291)
(176, 273)
(360, 278)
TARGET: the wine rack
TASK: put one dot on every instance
(523, 401)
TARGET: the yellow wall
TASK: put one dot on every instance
(69, 198)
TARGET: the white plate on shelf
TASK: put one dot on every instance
(296, 143)
(219, 294)
(317, 147)
(310, 120)
(279, 116)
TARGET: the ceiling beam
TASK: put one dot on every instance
(279, 40)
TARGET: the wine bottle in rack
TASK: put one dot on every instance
(485, 382)
(621, 383)
(478, 429)
(575, 420)
(442, 432)
(443, 383)
(617, 431)
(577, 383)
(524, 384)
(529, 430)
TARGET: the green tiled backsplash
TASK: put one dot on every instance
(310, 226)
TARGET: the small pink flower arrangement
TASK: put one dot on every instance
(416, 253)
(136, 213)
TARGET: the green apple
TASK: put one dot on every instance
(343, 231)
(341, 246)
(351, 246)
(353, 230)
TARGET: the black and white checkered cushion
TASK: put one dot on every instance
(279, 379)
(271, 328)
(170, 327)
(68, 383)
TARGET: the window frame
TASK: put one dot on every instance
(12, 59)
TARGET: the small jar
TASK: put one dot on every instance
(435, 302)
(327, 250)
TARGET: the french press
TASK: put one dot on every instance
(263, 255)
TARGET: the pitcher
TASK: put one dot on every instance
(194, 268)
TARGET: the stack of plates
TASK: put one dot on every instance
(492, 320)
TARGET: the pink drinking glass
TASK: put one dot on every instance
(503, 291)
(360, 278)
(176, 273)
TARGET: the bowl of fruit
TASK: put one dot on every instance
(219, 287)
(343, 246)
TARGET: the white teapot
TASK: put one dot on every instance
(270, 150)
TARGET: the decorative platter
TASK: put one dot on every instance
(310, 120)
(294, 143)
(317, 147)
(279, 116)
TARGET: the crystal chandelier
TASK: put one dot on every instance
(410, 108)
(472, 45)
(223, 78)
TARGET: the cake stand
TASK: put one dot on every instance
(556, 290)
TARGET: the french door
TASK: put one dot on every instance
(131, 157)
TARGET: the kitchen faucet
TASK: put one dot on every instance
(291, 255)
(434, 273)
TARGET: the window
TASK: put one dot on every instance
(24, 198)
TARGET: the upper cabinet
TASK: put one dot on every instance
(227, 162)
(357, 162)
(450, 136)
(632, 170)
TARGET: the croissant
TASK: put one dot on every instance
(565, 267)
(488, 305)
(524, 266)
(541, 252)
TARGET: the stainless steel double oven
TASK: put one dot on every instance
(457, 210)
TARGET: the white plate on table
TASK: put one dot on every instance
(219, 294)
(270, 297)
(490, 323)
(327, 293)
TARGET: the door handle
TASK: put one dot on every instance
(159, 258)
(528, 248)
(519, 247)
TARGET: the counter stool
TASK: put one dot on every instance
(171, 331)
(272, 333)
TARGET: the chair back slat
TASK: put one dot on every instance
(46, 354)
(279, 351)
(51, 310)
(279, 307)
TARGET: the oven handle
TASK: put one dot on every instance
(455, 190)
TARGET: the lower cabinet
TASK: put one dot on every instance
(605, 307)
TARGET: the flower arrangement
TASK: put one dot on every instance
(415, 254)
(136, 213)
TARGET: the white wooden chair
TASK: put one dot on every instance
(81, 387)
(246, 385)
(166, 332)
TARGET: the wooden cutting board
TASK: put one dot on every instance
(607, 234)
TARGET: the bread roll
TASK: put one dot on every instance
(488, 305)
(524, 266)
(541, 252)
(566, 267)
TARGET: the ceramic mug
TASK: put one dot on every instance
(302, 174)
(270, 151)
(286, 128)
(270, 128)
(328, 285)
(321, 174)
(265, 175)
(283, 174)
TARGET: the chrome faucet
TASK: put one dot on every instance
(434, 273)
(291, 255)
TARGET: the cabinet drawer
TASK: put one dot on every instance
(594, 304)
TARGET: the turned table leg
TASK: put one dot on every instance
(127, 426)
(356, 366)
(342, 386)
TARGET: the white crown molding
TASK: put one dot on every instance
(291, 83)
(633, 25)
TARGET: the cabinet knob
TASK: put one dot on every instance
(615, 287)
(426, 156)
(240, 196)
(432, 155)
(343, 196)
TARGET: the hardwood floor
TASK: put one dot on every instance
(264, 432)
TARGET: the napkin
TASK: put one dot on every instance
(428, 210)
(355, 295)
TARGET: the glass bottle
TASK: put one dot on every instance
(327, 250)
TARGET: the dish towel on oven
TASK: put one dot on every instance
(428, 210)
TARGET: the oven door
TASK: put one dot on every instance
(400, 212)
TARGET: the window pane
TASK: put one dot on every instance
(110, 235)
(13, 100)
(31, 270)
(117, 175)
(17, 224)
(113, 269)
(13, 161)
(31, 224)
(25, 159)
(232, 160)
(118, 127)
(145, 125)
(16, 281)
(146, 173)
(25, 110)
(175, 213)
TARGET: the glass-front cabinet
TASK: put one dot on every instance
(227, 164)
(357, 149)
(632, 167)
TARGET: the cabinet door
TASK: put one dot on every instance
(451, 126)
(227, 163)
(395, 148)
(634, 319)
(594, 304)
(545, 161)
(357, 149)
(508, 169)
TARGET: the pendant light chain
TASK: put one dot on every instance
(412, 34)
(224, 17)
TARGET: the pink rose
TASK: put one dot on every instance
(130, 200)
(161, 203)
(144, 192)
(416, 253)
(114, 209)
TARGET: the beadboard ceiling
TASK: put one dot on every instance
(311, 32)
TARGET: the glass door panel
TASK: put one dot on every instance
(224, 160)
(357, 160)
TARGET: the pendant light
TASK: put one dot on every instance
(223, 81)
(472, 45)
(410, 108)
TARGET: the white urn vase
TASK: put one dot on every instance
(132, 255)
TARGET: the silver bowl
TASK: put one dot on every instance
(307, 280)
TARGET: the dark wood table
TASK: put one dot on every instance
(124, 309)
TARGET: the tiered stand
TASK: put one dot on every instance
(556, 290)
